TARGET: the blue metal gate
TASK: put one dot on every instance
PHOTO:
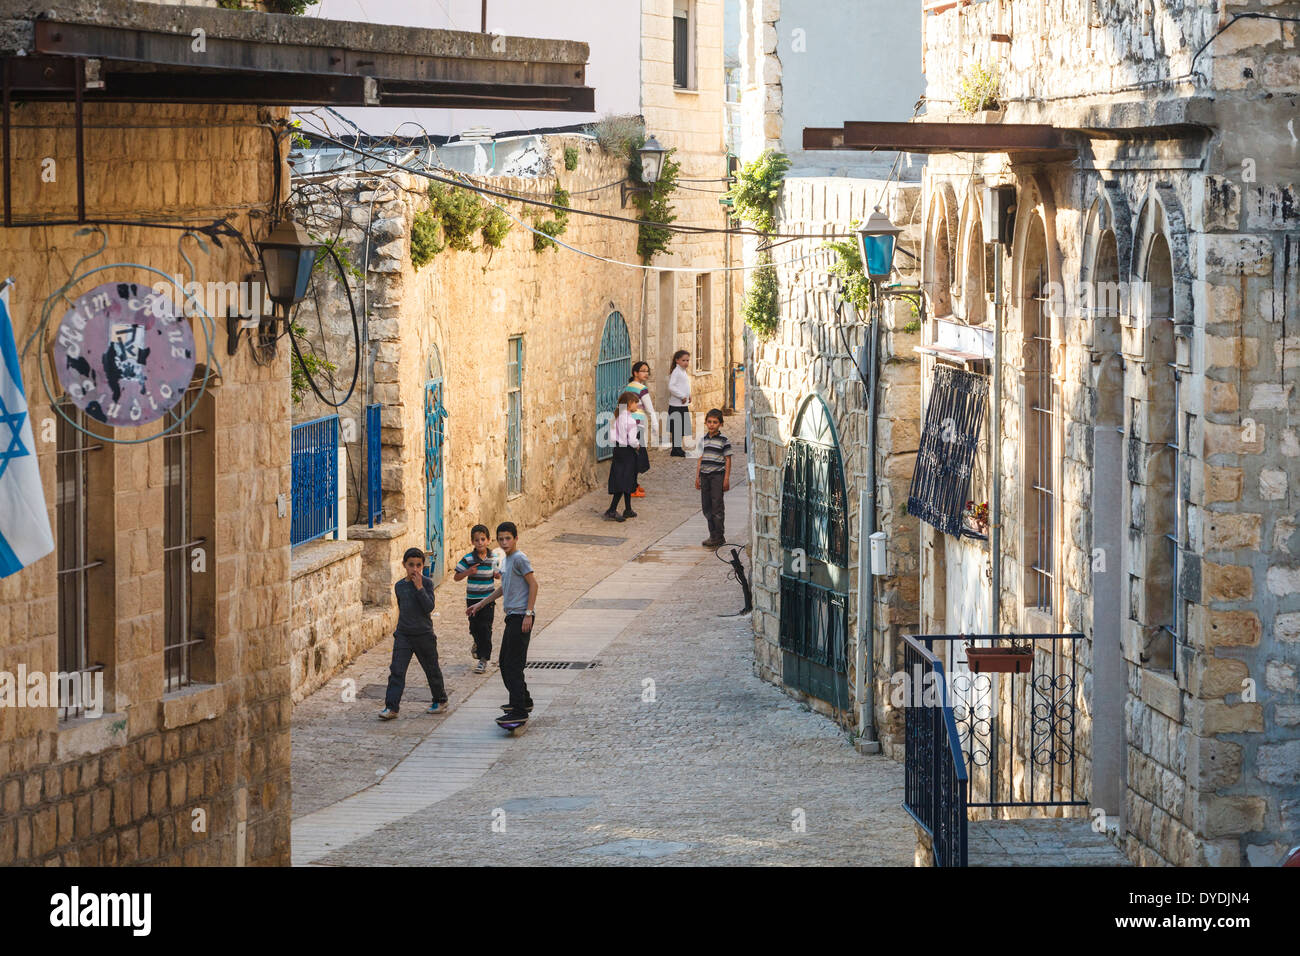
(315, 489)
(434, 438)
(613, 369)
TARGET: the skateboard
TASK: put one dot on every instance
(511, 725)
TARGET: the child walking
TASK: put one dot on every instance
(480, 568)
(713, 477)
(414, 635)
(519, 589)
(624, 435)
(645, 418)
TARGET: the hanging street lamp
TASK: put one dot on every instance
(652, 166)
(878, 240)
(288, 255)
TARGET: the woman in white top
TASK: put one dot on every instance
(679, 400)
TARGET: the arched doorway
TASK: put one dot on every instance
(434, 478)
(815, 559)
(613, 369)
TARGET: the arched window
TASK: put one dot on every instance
(1158, 506)
(975, 276)
(814, 573)
(938, 266)
(1041, 425)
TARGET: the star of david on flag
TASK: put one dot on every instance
(24, 521)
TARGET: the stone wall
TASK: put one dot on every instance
(804, 357)
(199, 775)
(1208, 746)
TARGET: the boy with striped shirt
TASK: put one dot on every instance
(479, 567)
(713, 477)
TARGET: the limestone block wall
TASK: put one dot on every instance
(805, 356)
(125, 788)
(1208, 738)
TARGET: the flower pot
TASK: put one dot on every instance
(1000, 660)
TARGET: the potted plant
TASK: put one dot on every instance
(976, 517)
(1016, 659)
(979, 92)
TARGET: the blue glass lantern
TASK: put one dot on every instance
(288, 255)
(878, 239)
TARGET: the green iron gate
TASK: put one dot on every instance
(613, 369)
(814, 571)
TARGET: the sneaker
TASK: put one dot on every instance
(528, 707)
(480, 667)
(639, 493)
(387, 714)
(629, 513)
(678, 453)
(612, 515)
(436, 706)
(512, 715)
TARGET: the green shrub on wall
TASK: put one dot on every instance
(753, 200)
(552, 227)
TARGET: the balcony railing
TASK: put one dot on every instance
(935, 780)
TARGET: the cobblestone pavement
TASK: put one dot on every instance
(669, 752)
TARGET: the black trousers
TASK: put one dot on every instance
(711, 503)
(480, 628)
(514, 655)
(677, 424)
(425, 649)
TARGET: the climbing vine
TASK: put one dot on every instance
(552, 227)
(753, 199)
(855, 286)
(654, 207)
(310, 364)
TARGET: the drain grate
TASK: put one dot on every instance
(598, 540)
(560, 665)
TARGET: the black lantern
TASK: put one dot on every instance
(878, 239)
(652, 161)
(288, 255)
(998, 219)
(652, 166)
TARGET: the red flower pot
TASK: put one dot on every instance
(1000, 660)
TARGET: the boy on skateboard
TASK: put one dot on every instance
(414, 635)
(479, 567)
(518, 589)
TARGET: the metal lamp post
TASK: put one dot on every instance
(878, 241)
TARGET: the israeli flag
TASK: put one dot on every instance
(24, 523)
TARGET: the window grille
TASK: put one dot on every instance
(315, 479)
(73, 547)
(514, 416)
(703, 323)
(941, 477)
(178, 541)
(1040, 463)
(812, 503)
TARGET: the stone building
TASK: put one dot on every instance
(170, 577)
(514, 440)
(806, 397)
(1147, 452)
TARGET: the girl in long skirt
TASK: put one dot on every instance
(623, 435)
(646, 416)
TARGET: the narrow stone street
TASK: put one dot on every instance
(652, 740)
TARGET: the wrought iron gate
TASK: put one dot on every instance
(434, 438)
(613, 369)
(814, 572)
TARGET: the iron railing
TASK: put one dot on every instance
(936, 787)
(1030, 761)
(374, 470)
(315, 479)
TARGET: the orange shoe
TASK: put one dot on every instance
(639, 493)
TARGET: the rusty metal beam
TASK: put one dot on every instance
(941, 137)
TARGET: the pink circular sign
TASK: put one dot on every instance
(122, 355)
